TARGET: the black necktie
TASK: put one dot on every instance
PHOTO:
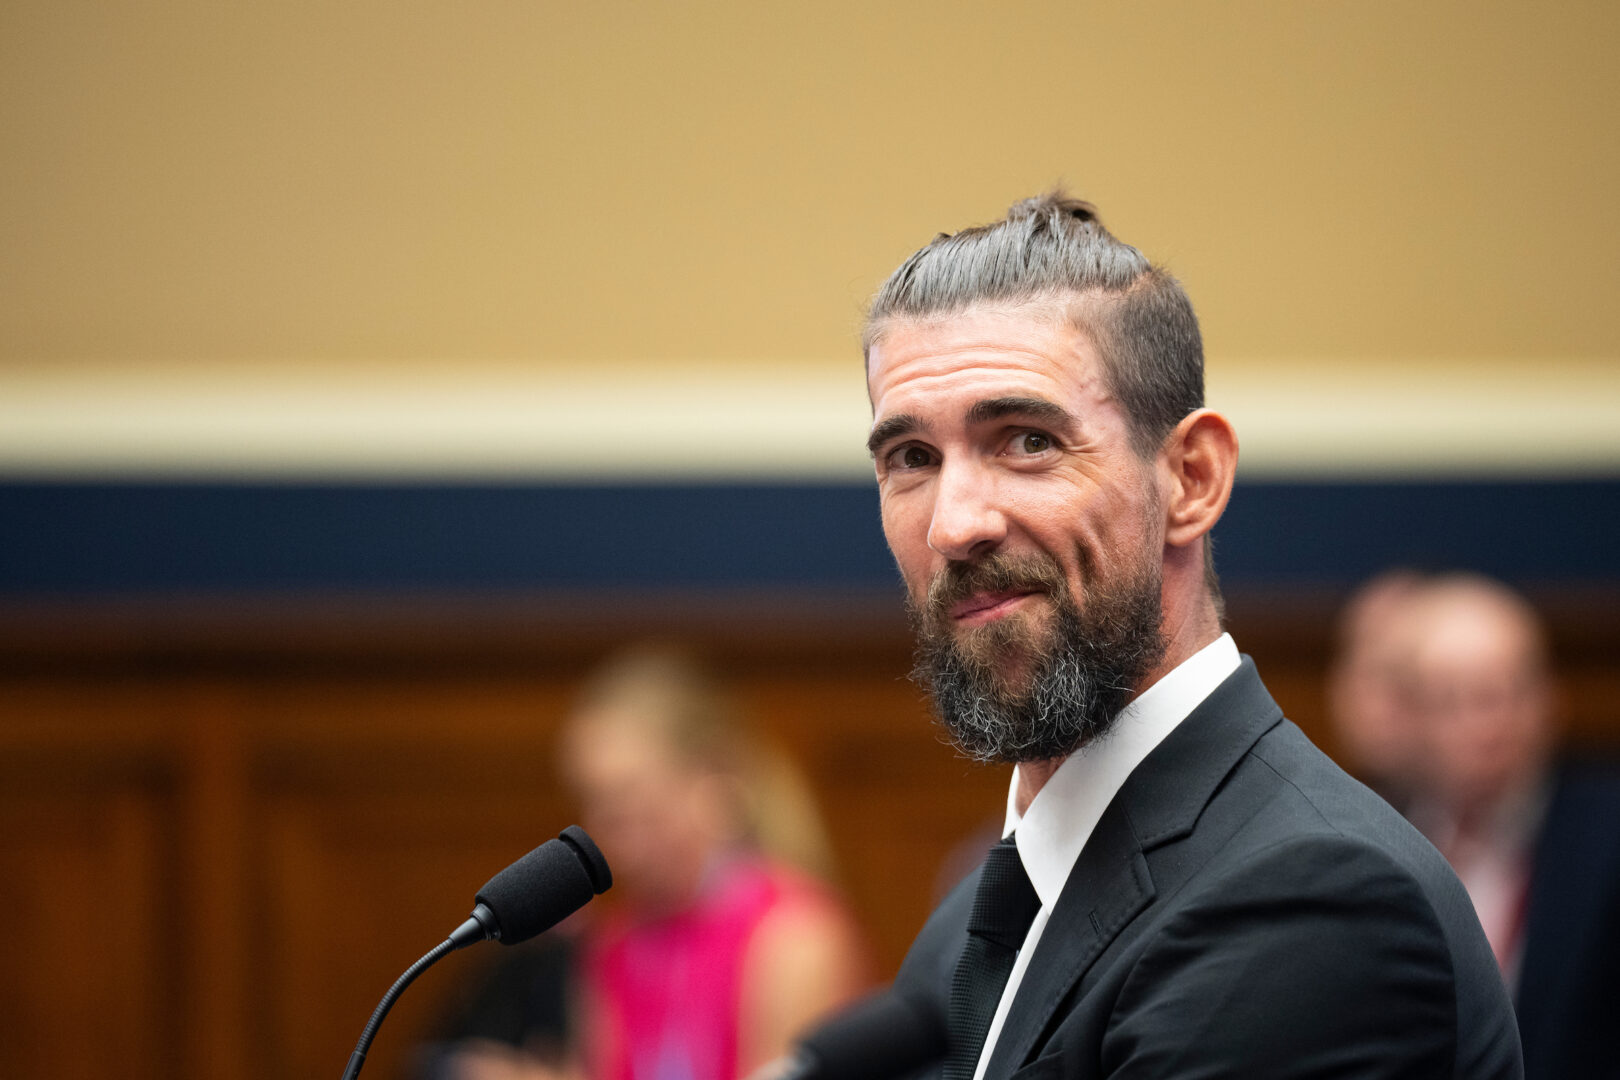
(1003, 907)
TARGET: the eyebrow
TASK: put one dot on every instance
(891, 427)
(1033, 408)
(1037, 409)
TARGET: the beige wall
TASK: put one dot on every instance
(200, 195)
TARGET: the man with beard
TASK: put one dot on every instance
(1189, 887)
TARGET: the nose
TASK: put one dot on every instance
(967, 522)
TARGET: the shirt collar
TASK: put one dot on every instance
(1064, 812)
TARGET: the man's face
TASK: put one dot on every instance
(1480, 699)
(1027, 530)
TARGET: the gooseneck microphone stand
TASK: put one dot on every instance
(358, 1058)
(535, 893)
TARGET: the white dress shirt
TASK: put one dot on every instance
(1061, 817)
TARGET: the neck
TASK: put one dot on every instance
(1190, 623)
(1032, 776)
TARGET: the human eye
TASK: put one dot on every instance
(1030, 444)
(910, 456)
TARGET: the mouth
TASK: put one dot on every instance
(981, 608)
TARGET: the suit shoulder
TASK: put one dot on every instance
(1329, 945)
(1317, 848)
(1319, 798)
(1320, 817)
(928, 966)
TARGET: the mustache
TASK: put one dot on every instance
(994, 573)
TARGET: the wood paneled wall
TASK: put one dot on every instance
(224, 836)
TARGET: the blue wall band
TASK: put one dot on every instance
(82, 540)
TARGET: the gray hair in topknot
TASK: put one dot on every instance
(1054, 247)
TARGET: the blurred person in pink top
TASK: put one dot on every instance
(724, 945)
(719, 942)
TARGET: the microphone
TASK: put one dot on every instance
(532, 895)
(887, 1035)
(537, 892)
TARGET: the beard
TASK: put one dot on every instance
(1026, 689)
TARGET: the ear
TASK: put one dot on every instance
(1201, 454)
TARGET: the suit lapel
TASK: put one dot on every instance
(1107, 888)
(1111, 884)
(1169, 790)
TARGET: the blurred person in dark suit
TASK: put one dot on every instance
(720, 941)
(1188, 887)
(1536, 843)
(1377, 742)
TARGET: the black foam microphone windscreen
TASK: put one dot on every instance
(884, 1036)
(544, 887)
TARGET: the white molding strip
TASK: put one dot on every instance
(459, 421)
(769, 422)
(1385, 421)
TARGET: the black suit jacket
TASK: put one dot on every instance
(1245, 909)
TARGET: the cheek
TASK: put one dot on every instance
(1125, 533)
(1072, 525)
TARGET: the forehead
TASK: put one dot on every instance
(981, 352)
(1472, 635)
